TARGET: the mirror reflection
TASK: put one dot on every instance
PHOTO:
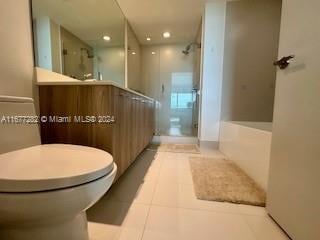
(81, 39)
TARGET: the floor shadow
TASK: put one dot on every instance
(113, 212)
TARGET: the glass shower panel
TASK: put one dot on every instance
(174, 89)
(180, 119)
(176, 96)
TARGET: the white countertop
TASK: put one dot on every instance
(49, 78)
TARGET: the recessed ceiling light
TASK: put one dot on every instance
(133, 53)
(166, 34)
(148, 39)
(153, 53)
(106, 38)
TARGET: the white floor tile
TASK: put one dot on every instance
(182, 196)
(252, 210)
(264, 228)
(116, 220)
(176, 175)
(132, 191)
(137, 185)
(155, 200)
(174, 223)
(99, 231)
(130, 234)
(119, 214)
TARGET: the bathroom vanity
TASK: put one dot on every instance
(69, 51)
(123, 122)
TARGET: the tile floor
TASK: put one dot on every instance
(155, 200)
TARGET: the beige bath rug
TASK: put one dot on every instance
(222, 180)
(175, 148)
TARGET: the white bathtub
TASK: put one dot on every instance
(248, 145)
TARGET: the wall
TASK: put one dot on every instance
(42, 34)
(251, 45)
(48, 42)
(212, 71)
(16, 62)
(150, 71)
(56, 47)
(110, 62)
(134, 61)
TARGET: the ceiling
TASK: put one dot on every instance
(89, 20)
(150, 18)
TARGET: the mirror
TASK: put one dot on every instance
(81, 39)
(134, 61)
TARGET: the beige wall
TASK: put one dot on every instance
(251, 45)
(110, 62)
(150, 71)
(56, 52)
(16, 62)
(134, 61)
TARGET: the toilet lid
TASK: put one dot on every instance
(51, 167)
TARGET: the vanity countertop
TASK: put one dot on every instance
(88, 82)
(48, 78)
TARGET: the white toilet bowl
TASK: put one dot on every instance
(46, 189)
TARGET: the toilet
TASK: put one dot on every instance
(45, 190)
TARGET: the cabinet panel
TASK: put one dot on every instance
(125, 139)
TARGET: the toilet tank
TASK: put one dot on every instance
(15, 134)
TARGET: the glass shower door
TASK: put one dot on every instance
(176, 95)
(176, 105)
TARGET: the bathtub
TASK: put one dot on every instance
(248, 144)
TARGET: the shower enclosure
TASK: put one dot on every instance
(175, 88)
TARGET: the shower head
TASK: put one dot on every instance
(188, 48)
(89, 54)
(185, 52)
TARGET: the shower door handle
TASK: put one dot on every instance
(162, 88)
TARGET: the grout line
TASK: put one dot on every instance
(209, 210)
(190, 208)
(151, 203)
(145, 222)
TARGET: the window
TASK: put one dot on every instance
(181, 100)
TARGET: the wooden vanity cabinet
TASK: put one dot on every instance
(125, 139)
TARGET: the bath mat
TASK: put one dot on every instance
(221, 180)
(175, 148)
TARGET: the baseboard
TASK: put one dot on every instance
(209, 144)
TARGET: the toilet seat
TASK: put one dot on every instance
(52, 167)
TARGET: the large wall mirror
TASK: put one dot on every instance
(81, 39)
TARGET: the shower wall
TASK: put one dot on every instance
(109, 62)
